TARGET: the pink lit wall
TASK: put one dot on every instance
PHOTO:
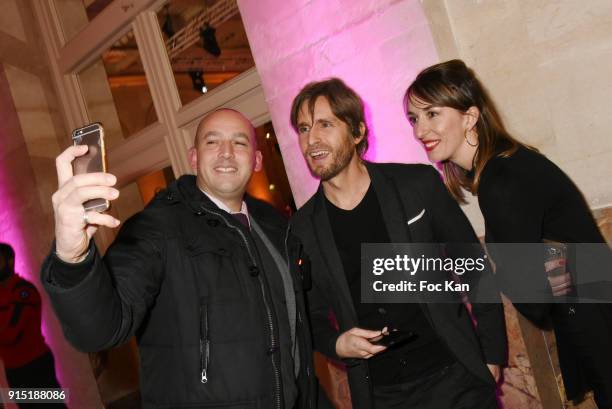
(26, 226)
(376, 46)
(14, 168)
(13, 208)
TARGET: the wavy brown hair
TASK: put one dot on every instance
(344, 102)
(452, 84)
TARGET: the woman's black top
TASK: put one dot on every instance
(525, 198)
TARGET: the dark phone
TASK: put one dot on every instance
(394, 337)
(94, 160)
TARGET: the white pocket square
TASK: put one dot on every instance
(417, 217)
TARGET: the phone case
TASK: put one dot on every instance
(97, 205)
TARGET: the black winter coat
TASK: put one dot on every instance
(184, 277)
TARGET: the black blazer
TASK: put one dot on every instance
(403, 192)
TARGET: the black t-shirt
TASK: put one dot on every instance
(427, 352)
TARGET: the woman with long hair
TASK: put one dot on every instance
(524, 198)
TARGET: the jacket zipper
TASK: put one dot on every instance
(204, 344)
(273, 344)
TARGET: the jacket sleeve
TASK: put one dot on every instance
(514, 213)
(452, 226)
(324, 335)
(319, 309)
(105, 305)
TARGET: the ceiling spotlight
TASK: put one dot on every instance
(209, 40)
(267, 135)
(271, 187)
(197, 80)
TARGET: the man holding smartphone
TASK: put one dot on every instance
(200, 276)
(440, 361)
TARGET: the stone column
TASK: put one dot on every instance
(31, 135)
(375, 46)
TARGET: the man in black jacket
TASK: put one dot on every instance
(449, 363)
(199, 276)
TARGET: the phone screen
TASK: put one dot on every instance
(93, 161)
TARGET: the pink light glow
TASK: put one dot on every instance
(20, 212)
(376, 47)
(10, 231)
(14, 170)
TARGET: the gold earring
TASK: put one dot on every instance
(465, 135)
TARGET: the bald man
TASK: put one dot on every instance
(200, 276)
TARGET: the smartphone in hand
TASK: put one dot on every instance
(393, 337)
(94, 160)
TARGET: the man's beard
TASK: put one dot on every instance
(340, 160)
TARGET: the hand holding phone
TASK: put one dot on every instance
(393, 337)
(355, 343)
(93, 161)
(75, 224)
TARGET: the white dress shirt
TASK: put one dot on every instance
(223, 206)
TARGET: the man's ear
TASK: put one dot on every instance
(193, 158)
(358, 138)
(471, 115)
(258, 161)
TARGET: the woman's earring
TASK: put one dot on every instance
(465, 135)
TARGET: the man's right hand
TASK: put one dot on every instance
(355, 343)
(72, 233)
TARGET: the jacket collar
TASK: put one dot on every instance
(391, 204)
(393, 215)
(324, 237)
(185, 190)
